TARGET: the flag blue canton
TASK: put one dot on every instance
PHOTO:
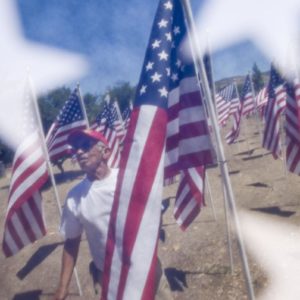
(71, 111)
(246, 88)
(164, 64)
(275, 80)
(104, 114)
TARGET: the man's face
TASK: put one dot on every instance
(89, 154)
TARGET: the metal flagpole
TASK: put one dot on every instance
(210, 196)
(255, 106)
(220, 150)
(38, 116)
(83, 106)
(237, 94)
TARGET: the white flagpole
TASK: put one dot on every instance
(255, 105)
(229, 243)
(210, 196)
(238, 95)
(220, 150)
(40, 126)
(83, 106)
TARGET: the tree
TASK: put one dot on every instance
(257, 78)
(123, 93)
(50, 104)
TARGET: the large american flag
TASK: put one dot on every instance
(292, 126)
(109, 124)
(70, 118)
(275, 105)
(247, 97)
(167, 129)
(24, 222)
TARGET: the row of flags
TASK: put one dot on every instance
(165, 135)
(279, 98)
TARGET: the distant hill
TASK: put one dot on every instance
(239, 79)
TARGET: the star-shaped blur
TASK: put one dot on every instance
(276, 247)
(272, 25)
(19, 59)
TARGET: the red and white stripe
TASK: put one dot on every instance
(188, 141)
(293, 129)
(233, 134)
(223, 109)
(24, 222)
(274, 108)
(135, 218)
(57, 138)
(190, 196)
(234, 105)
(248, 104)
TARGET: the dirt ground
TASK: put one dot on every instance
(196, 262)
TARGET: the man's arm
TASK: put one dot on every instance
(69, 257)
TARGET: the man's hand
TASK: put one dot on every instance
(61, 294)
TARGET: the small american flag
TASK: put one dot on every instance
(108, 123)
(168, 130)
(223, 104)
(24, 222)
(262, 100)
(247, 97)
(276, 104)
(70, 118)
(230, 94)
(292, 126)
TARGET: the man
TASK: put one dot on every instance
(88, 205)
(87, 208)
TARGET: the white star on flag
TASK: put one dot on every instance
(162, 23)
(156, 77)
(143, 89)
(163, 92)
(149, 66)
(163, 55)
(168, 5)
(156, 44)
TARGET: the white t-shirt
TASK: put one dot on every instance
(87, 207)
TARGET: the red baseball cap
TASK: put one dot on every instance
(86, 134)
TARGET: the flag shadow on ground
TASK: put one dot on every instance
(31, 295)
(233, 172)
(275, 210)
(177, 278)
(38, 257)
(259, 184)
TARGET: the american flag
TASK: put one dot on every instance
(108, 123)
(190, 196)
(126, 117)
(70, 118)
(24, 222)
(276, 104)
(261, 100)
(247, 97)
(292, 126)
(230, 92)
(167, 106)
(223, 104)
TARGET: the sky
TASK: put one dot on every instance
(113, 36)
